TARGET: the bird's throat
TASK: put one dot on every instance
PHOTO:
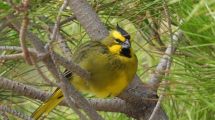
(125, 52)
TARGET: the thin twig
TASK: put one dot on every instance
(11, 56)
(60, 39)
(167, 14)
(56, 26)
(17, 48)
(22, 33)
(64, 47)
(70, 18)
(153, 25)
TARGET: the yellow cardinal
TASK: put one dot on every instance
(112, 65)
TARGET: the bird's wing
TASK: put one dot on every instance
(87, 49)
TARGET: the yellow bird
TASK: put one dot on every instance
(111, 63)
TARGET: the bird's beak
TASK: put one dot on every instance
(126, 44)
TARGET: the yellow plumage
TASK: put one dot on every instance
(111, 63)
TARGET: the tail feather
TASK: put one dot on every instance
(48, 105)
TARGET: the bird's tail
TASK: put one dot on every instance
(48, 105)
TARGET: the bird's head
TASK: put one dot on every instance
(118, 42)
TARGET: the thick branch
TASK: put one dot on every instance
(6, 109)
(88, 19)
(22, 89)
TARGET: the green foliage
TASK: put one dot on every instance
(191, 82)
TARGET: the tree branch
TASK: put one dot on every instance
(16, 48)
(11, 56)
(88, 19)
(156, 78)
(22, 33)
(14, 112)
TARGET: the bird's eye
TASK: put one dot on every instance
(118, 41)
